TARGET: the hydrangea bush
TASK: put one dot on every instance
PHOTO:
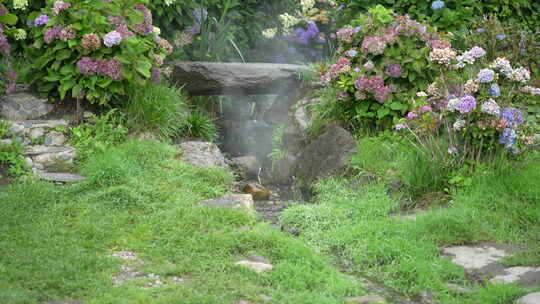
(8, 77)
(474, 105)
(93, 49)
(382, 60)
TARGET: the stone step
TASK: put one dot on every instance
(36, 150)
(60, 177)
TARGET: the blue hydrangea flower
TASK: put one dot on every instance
(508, 138)
(494, 90)
(512, 116)
(480, 30)
(436, 5)
(500, 37)
(357, 29)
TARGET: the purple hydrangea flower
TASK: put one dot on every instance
(512, 116)
(466, 104)
(41, 20)
(412, 115)
(112, 38)
(480, 30)
(357, 70)
(486, 76)
(87, 66)
(393, 70)
(491, 107)
(400, 127)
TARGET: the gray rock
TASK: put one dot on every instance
(256, 265)
(36, 150)
(278, 112)
(232, 201)
(216, 78)
(60, 177)
(55, 139)
(36, 133)
(17, 130)
(51, 159)
(202, 154)
(29, 162)
(24, 106)
(532, 298)
(524, 276)
(328, 154)
(247, 166)
(301, 118)
(45, 124)
(369, 299)
(475, 258)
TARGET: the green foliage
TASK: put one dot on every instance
(100, 133)
(107, 71)
(355, 221)
(198, 124)
(138, 197)
(383, 60)
(456, 14)
(156, 108)
(11, 154)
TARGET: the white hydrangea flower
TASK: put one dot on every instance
(288, 21)
(269, 32)
(20, 4)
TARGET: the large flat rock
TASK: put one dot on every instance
(217, 78)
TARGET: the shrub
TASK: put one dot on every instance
(94, 137)
(8, 77)
(157, 108)
(94, 55)
(453, 15)
(474, 106)
(382, 59)
(11, 152)
(199, 125)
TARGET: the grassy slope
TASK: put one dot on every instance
(351, 220)
(56, 240)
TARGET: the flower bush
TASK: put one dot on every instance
(452, 15)
(475, 105)
(8, 77)
(383, 59)
(94, 55)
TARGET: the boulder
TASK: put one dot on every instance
(326, 155)
(532, 298)
(524, 276)
(24, 106)
(247, 166)
(218, 78)
(202, 154)
(257, 191)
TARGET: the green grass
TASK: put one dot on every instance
(351, 220)
(56, 239)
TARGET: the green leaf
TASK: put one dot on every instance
(396, 106)
(63, 54)
(143, 66)
(9, 19)
(382, 112)
(135, 16)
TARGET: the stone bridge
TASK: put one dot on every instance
(217, 78)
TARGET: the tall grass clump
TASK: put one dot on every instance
(157, 108)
